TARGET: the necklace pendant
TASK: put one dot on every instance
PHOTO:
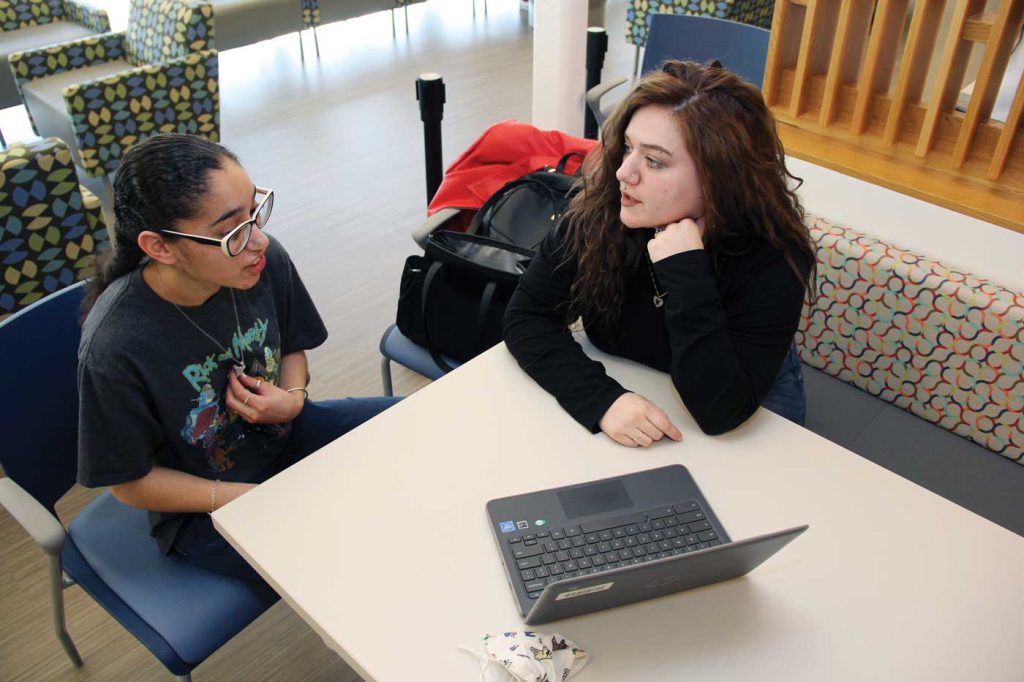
(658, 301)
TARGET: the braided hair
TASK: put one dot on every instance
(159, 182)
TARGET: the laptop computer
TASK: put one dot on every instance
(596, 545)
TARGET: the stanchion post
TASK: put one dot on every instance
(430, 94)
(597, 46)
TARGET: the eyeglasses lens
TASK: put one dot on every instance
(263, 214)
(240, 239)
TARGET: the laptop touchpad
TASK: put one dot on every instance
(596, 498)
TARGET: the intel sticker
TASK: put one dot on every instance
(507, 526)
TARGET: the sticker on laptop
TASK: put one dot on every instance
(523, 525)
(507, 526)
(584, 590)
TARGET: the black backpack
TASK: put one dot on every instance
(453, 298)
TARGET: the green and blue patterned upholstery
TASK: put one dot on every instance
(51, 228)
(47, 61)
(173, 87)
(310, 13)
(26, 13)
(162, 30)
(638, 12)
(111, 114)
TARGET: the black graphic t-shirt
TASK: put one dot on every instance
(152, 386)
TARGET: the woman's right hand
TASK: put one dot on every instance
(634, 421)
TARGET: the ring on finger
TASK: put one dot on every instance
(258, 382)
(246, 401)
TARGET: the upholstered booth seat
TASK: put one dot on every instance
(30, 24)
(27, 39)
(45, 98)
(105, 93)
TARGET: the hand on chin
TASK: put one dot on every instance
(679, 237)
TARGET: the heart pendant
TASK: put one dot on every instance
(658, 301)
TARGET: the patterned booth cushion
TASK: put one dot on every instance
(638, 12)
(50, 227)
(945, 345)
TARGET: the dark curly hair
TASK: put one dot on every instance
(731, 136)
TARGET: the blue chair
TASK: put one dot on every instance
(178, 611)
(741, 48)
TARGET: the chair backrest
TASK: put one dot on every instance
(741, 48)
(15, 14)
(160, 30)
(50, 228)
(39, 421)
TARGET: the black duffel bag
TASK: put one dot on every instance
(453, 298)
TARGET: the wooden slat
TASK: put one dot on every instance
(851, 35)
(978, 29)
(990, 75)
(774, 64)
(879, 61)
(921, 39)
(803, 64)
(950, 75)
(1009, 134)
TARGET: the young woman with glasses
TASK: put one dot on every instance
(684, 250)
(192, 365)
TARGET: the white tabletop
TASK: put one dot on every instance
(380, 541)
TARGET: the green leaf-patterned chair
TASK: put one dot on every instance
(105, 93)
(50, 227)
(28, 24)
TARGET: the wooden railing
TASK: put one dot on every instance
(846, 81)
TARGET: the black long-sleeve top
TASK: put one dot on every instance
(722, 333)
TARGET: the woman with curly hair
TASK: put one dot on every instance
(684, 249)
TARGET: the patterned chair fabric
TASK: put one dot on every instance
(51, 228)
(945, 345)
(162, 30)
(177, 92)
(638, 12)
(18, 14)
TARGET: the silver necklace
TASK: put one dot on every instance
(659, 298)
(236, 365)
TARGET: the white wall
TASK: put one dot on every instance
(958, 241)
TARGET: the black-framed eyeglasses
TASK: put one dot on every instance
(235, 241)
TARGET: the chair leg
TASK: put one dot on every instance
(394, 32)
(474, 8)
(3, 142)
(406, 10)
(57, 601)
(187, 677)
(636, 62)
(302, 50)
(316, 43)
(385, 376)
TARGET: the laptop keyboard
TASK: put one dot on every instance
(548, 556)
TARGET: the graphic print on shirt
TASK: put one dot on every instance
(210, 424)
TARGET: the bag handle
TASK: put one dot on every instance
(432, 273)
(560, 168)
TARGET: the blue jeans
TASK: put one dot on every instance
(787, 398)
(318, 424)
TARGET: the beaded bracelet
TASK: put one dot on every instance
(213, 495)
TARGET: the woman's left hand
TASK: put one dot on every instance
(685, 235)
(261, 402)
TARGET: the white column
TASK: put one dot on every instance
(559, 64)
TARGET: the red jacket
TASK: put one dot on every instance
(506, 151)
